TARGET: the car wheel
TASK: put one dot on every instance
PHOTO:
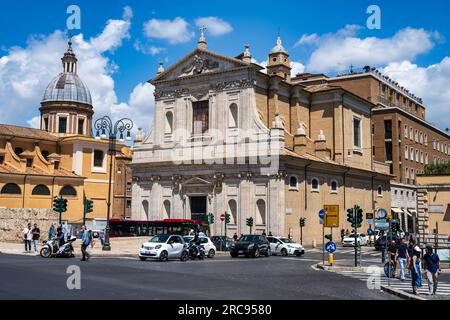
(163, 256)
(184, 256)
(268, 253)
(142, 258)
(256, 253)
(233, 255)
(284, 252)
(211, 253)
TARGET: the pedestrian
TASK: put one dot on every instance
(401, 255)
(393, 250)
(235, 237)
(416, 274)
(27, 237)
(432, 265)
(264, 233)
(91, 235)
(36, 233)
(60, 236)
(270, 234)
(347, 233)
(85, 241)
(411, 246)
(342, 235)
(51, 231)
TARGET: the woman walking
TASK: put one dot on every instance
(416, 273)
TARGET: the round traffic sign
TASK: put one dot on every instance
(370, 232)
(321, 214)
(330, 247)
(381, 213)
(222, 217)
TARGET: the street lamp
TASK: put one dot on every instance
(105, 128)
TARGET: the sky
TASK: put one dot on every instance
(120, 44)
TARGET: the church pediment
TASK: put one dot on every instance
(196, 181)
(199, 62)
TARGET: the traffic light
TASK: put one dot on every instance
(89, 205)
(56, 204)
(302, 222)
(227, 218)
(59, 204)
(210, 218)
(350, 216)
(249, 223)
(359, 217)
(63, 204)
(329, 237)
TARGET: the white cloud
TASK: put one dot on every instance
(26, 71)
(174, 31)
(336, 51)
(148, 49)
(297, 67)
(430, 83)
(215, 26)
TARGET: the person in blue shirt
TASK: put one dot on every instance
(85, 241)
(416, 274)
(431, 264)
(51, 231)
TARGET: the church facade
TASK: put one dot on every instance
(228, 137)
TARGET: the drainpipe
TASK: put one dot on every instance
(306, 183)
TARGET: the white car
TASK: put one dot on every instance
(349, 241)
(210, 248)
(164, 247)
(284, 246)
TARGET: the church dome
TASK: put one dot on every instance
(278, 48)
(67, 87)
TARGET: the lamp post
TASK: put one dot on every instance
(106, 129)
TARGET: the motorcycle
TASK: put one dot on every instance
(51, 249)
(196, 251)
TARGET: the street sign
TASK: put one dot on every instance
(330, 247)
(332, 216)
(222, 217)
(370, 221)
(321, 214)
(370, 232)
(381, 213)
(369, 215)
(381, 224)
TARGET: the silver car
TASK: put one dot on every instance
(285, 246)
(164, 247)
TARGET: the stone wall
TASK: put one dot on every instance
(13, 221)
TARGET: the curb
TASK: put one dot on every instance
(340, 268)
(401, 293)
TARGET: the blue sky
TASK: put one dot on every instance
(416, 54)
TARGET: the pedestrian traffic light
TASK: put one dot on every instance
(302, 222)
(359, 217)
(329, 237)
(350, 216)
(89, 205)
(227, 218)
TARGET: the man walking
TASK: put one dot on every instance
(402, 257)
(85, 241)
(432, 266)
(27, 237)
(51, 231)
(36, 232)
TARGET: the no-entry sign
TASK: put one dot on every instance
(222, 217)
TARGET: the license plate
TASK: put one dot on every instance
(241, 251)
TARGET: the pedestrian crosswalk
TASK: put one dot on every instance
(443, 287)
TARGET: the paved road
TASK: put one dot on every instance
(28, 277)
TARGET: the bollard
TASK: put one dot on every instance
(330, 259)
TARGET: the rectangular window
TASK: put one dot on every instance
(411, 133)
(387, 129)
(98, 158)
(2, 159)
(357, 132)
(406, 153)
(388, 148)
(406, 131)
(81, 126)
(45, 124)
(29, 163)
(128, 186)
(200, 117)
(128, 204)
(62, 125)
(56, 165)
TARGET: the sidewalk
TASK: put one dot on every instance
(120, 247)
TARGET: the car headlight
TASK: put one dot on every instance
(250, 246)
(232, 245)
(158, 246)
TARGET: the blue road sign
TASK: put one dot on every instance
(321, 214)
(330, 247)
(370, 232)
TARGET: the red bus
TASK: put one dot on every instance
(138, 228)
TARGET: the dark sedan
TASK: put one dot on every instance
(380, 243)
(250, 245)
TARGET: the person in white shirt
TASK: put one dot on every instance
(27, 237)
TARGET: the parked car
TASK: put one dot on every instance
(285, 246)
(349, 241)
(164, 247)
(250, 245)
(380, 243)
(210, 248)
(219, 242)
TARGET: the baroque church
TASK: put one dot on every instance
(231, 137)
(62, 158)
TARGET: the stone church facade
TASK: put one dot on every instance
(228, 137)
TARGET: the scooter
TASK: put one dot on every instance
(196, 251)
(51, 249)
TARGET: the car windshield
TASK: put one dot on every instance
(248, 238)
(187, 239)
(286, 240)
(162, 238)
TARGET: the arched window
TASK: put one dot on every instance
(68, 191)
(145, 208)
(380, 191)
(45, 154)
(169, 122)
(260, 212)
(167, 209)
(315, 184)
(41, 190)
(334, 186)
(233, 116)
(18, 150)
(11, 188)
(293, 182)
(232, 210)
